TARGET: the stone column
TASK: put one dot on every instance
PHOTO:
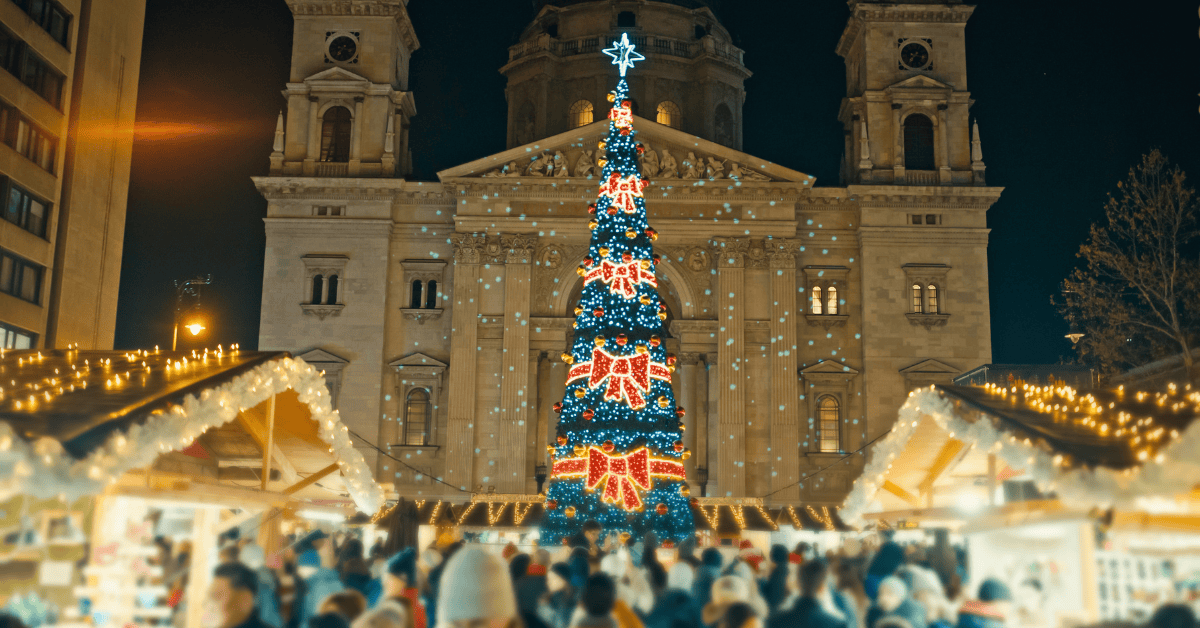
(535, 436)
(464, 347)
(785, 394)
(356, 131)
(314, 136)
(712, 428)
(514, 365)
(689, 371)
(731, 363)
(557, 389)
(545, 418)
(897, 145)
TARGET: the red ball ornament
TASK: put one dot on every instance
(661, 509)
(588, 261)
(588, 414)
(551, 504)
(670, 358)
(655, 341)
(557, 406)
(640, 149)
(679, 412)
(678, 446)
(694, 501)
(612, 211)
(598, 312)
(627, 257)
(622, 339)
(592, 208)
(625, 131)
(608, 446)
(656, 259)
(626, 103)
(561, 440)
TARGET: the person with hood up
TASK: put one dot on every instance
(476, 590)
(708, 572)
(990, 610)
(353, 568)
(894, 608)
(887, 560)
(673, 607)
(400, 585)
(267, 598)
(810, 609)
(320, 579)
(557, 605)
(598, 606)
(435, 581)
(927, 590)
(775, 587)
(740, 615)
(728, 590)
(531, 585)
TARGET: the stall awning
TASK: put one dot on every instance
(76, 422)
(952, 446)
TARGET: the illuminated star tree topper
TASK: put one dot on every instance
(623, 54)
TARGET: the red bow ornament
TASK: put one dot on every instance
(628, 376)
(622, 278)
(623, 190)
(625, 475)
(621, 116)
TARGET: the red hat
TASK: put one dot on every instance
(509, 551)
(746, 544)
(795, 559)
(754, 560)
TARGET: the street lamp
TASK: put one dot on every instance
(188, 288)
(1074, 334)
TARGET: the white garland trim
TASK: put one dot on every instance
(43, 469)
(1175, 471)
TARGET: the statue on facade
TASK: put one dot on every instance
(715, 169)
(584, 167)
(541, 165)
(649, 162)
(668, 169)
(692, 167)
(560, 164)
(745, 174)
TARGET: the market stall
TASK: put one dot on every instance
(104, 455)
(1054, 490)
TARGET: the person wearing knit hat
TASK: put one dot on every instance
(990, 610)
(474, 586)
(509, 551)
(267, 598)
(709, 570)
(728, 590)
(556, 606)
(400, 584)
(775, 587)
(895, 607)
(531, 583)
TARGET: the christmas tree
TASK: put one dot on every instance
(618, 457)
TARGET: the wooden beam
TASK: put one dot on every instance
(179, 489)
(258, 431)
(945, 457)
(237, 520)
(908, 497)
(310, 480)
(266, 451)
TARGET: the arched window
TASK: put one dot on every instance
(332, 297)
(335, 135)
(830, 414)
(416, 417)
(581, 113)
(626, 19)
(918, 143)
(932, 299)
(816, 301)
(431, 295)
(723, 125)
(668, 114)
(918, 299)
(318, 289)
(415, 301)
(832, 303)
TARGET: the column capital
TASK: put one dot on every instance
(519, 248)
(689, 359)
(468, 247)
(782, 253)
(730, 252)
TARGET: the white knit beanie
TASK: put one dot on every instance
(475, 585)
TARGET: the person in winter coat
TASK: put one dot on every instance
(320, 579)
(231, 597)
(475, 587)
(531, 585)
(888, 559)
(673, 607)
(400, 584)
(435, 580)
(267, 598)
(990, 610)
(894, 608)
(775, 587)
(708, 572)
(558, 604)
(740, 615)
(597, 604)
(729, 590)
(926, 588)
(808, 610)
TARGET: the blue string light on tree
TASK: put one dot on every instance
(618, 457)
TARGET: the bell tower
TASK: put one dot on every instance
(907, 109)
(348, 104)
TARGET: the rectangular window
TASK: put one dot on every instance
(27, 138)
(932, 219)
(918, 300)
(20, 278)
(24, 209)
(916, 219)
(15, 338)
(50, 16)
(10, 52)
(41, 78)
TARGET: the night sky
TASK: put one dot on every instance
(1068, 96)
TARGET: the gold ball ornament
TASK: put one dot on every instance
(685, 490)
(580, 450)
(631, 234)
(581, 271)
(641, 348)
(578, 311)
(604, 251)
(645, 264)
(662, 316)
(645, 300)
(600, 341)
(663, 401)
(612, 97)
(687, 453)
(580, 393)
(601, 144)
(592, 224)
(602, 162)
(569, 512)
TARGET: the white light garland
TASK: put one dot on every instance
(43, 469)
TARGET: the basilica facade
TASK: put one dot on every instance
(801, 314)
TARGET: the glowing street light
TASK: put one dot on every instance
(188, 288)
(195, 328)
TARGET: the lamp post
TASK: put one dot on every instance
(188, 288)
(1074, 334)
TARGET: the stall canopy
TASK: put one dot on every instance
(229, 424)
(955, 450)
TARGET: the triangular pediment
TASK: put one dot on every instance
(930, 367)
(418, 359)
(566, 150)
(320, 356)
(829, 367)
(335, 75)
(919, 81)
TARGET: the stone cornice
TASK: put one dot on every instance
(680, 230)
(916, 197)
(923, 237)
(672, 190)
(914, 12)
(364, 8)
(304, 188)
(317, 227)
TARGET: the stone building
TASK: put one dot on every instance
(802, 315)
(68, 91)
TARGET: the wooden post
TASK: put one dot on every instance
(266, 466)
(204, 537)
(269, 532)
(991, 483)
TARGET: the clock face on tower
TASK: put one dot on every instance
(342, 48)
(914, 56)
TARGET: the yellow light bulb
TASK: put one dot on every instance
(195, 328)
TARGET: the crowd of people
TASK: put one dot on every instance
(609, 582)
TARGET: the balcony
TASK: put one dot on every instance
(649, 44)
(328, 169)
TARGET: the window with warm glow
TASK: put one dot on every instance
(335, 135)
(816, 301)
(416, 417)
(932, 300)
(668, 114)
(918, 300)
(581, 113)
(830, 416)
(832, 303)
